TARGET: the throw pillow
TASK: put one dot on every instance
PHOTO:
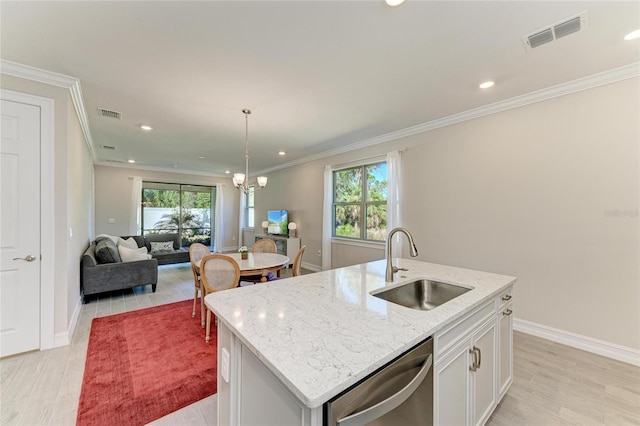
(161, 246)
(129, 243)
(131, 255)
(106, 251)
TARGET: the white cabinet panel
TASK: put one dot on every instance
(505, 354)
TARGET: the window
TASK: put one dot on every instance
(250, 208)
(185, 209)
(360, 202)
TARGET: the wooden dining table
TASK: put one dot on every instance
(257, 264)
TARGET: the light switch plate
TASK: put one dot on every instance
(224, 367)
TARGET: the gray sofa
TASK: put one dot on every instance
(100, 277)
(97, 277)
(178, 255)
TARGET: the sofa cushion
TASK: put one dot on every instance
(161, 246)
(164, 237)
(106, 251)
(132, 255)
(129, 243)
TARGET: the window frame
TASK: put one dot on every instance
(180, 189)
(362, 204)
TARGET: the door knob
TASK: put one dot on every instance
(29, 258)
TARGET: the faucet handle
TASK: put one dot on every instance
(396, 269)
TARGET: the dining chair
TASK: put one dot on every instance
(196, 252)
(264, 245)
(297, 262)
(217, 272)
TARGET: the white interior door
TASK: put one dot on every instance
(20, 228)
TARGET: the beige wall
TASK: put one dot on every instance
(547, 192)
(113, 186)
(79, 202)
(72, 195)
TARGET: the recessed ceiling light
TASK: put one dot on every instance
(633, 35)
(146, 127)
(201, 157)
(394, 2)
(487, 84)
(282, 153)
(132, 161)
(227, 171)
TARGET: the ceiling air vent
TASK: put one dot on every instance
(114, 161)
(109, 147)
(103, 112)
(555, 31)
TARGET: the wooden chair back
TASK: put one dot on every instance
(197, 251)
(219, 272)
(264, 245)
(297, 262)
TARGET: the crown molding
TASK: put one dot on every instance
(160, 169)
(589, 82)
(55, 79)
(600, 79)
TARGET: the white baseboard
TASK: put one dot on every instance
(309, 266)
(600, 347)
(64, 338)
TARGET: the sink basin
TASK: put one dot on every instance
(422, 294)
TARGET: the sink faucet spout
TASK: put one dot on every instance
(412, 249)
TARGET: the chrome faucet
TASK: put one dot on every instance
(412, 247)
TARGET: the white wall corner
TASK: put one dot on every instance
(311, 267)
(599, 347)
(64, 338)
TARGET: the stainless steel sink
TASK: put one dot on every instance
(422, 294)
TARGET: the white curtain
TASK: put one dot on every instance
(218, 234)
(243, 201)
(394, 196)
(327, 218)
(136, 207)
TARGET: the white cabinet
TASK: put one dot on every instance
(505, 344)
(285, 245)
(474, 364)
(464, 380)
(253, 395)
(483, 373)
(451, 388)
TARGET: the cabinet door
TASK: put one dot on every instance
(281, 245)
(451, 388)
(484, 376)
(505, 353)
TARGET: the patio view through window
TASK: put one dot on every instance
(185, 209)
(360, 202)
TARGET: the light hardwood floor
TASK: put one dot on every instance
(553, 384)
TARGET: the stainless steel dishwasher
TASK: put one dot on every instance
(400, 393)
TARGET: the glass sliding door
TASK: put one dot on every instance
(197, 214)
(175, 208)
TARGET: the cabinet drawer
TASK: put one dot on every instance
(446, 339)
(505, 298)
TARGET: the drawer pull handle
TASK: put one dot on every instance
(507, 312)
(474, 363)
(506, 297)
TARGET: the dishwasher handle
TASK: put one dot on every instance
(383, 407)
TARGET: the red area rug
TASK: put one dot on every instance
(145, 364)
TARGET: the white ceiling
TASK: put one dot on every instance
(318, 76)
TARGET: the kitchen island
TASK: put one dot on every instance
(286, 347)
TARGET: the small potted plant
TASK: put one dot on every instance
(244, 252)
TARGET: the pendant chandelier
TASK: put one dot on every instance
(241, 180)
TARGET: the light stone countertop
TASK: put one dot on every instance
(323, 332)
